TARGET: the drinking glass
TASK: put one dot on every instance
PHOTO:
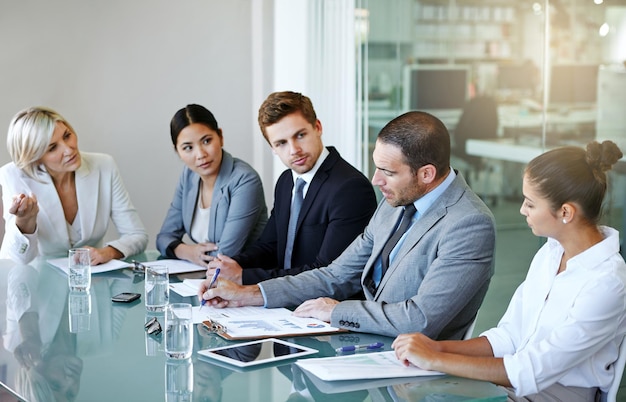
(178, 380)
(79, 305)
(79, 266)
(157, 287)
(178, 331)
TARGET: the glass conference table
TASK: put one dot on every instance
(108, 356)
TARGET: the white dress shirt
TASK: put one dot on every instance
(565, 328)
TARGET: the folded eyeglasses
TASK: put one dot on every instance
(138, 267)
(153, 327)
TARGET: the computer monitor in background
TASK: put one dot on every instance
(439, 89)
(573, 85)
(516, 81)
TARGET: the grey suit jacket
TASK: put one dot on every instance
(434, 285)
(238, 211)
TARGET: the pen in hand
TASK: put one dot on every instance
(213, 280)
(355, 348)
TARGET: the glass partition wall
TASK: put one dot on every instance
(510, 79)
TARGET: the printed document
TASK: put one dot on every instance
(112, 265)
(173, 266)
(361, 366)
(260, 322)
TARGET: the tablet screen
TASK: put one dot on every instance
(257, 352)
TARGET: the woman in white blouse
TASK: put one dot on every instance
(56, 197)
(563, 327)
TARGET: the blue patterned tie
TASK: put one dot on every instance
(296, 204)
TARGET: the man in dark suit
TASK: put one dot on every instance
(424, 261)
(336, 205)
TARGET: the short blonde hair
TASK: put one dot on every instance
(29, 135)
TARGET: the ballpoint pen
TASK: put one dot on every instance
(213, 280)
(355, 348)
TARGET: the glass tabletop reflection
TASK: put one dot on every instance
(80, 346)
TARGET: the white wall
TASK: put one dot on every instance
(314, 53)
(118, 70)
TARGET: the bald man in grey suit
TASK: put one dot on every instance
(439, 270)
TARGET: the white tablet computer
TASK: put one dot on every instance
(257, 352)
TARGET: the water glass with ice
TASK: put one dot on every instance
(79, 269)
(79, 306)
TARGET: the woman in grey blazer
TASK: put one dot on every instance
(218, 202)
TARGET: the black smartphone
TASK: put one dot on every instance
(125, 297)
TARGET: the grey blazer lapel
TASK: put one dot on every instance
(221, 185)
(386, 219)
(435, 213)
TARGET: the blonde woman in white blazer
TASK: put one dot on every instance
(56, 197)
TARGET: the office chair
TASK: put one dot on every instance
(470, 330)
(479, 120)
(611, 395)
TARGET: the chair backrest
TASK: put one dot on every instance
(611, 394)
(479, 120)
(470, 329)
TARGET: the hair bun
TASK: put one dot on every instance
(601, 157)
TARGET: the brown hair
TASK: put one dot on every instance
(572, 174)
(281, 104)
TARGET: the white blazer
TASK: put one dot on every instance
(101, 197)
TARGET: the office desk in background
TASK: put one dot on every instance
(116, 359)
(519, 117)
(511, 118)
(521, 151)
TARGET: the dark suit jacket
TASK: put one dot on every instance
(337, 207)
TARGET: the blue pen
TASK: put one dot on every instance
(355, 348)
(213, 280)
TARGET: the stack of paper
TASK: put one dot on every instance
(188, 287)
(361, 366)
(112, 265)
(173, 266)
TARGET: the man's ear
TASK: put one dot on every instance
(427, 173)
